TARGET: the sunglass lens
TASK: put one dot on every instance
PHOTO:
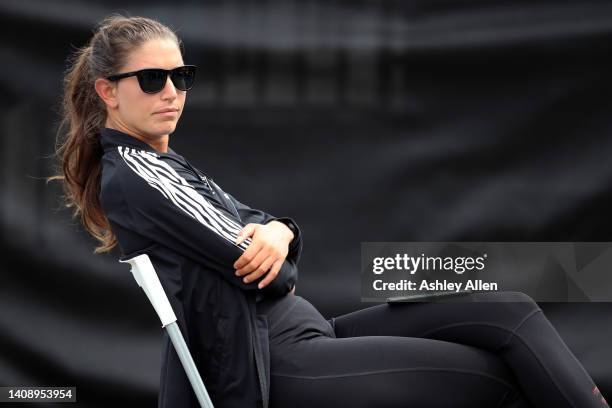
(152, 81)
(183, 77)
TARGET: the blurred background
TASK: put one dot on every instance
(364, 120)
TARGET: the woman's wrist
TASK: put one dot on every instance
(286, 230)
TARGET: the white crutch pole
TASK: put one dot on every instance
(147, 279)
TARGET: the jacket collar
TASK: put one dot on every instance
(111, 138)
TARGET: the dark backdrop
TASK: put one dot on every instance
(363, 120)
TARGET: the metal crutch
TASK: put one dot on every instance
(147, 279)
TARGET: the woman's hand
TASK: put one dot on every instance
(267, 251)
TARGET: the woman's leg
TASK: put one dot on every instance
(513, 327)
(388, 372)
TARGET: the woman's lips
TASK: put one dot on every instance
(168, 113)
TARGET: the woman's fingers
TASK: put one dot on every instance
(246, 232)
(254, 258)
(272, 274)
(249, 255)
(260, 271)
(265, 253)
(257, 267)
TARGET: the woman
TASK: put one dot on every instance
(230, 270)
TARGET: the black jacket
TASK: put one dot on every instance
(159, 204)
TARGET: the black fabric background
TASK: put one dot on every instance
(363, 120)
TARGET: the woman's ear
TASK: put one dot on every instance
(107, 91)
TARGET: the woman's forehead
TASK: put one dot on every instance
(156, 54)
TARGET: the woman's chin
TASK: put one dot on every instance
(165, 127)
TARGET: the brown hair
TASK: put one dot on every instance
(83, 115)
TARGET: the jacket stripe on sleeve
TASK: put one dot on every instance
(229, 224)
(177, 190)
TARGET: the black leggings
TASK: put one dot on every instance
(468, 352)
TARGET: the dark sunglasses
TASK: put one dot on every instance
(153, 80)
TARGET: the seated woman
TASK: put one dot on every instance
(230, 270)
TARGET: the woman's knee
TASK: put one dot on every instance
(515, 306)
(517, 297)
(507, 296)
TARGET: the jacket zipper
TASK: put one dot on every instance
(258, 362)
(202, 176)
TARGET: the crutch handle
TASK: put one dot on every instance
(147, 279)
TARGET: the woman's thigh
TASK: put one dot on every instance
(385, 372)
(485, 320)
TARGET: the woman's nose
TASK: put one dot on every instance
(169, 87)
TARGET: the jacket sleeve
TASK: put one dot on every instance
(253, 215)
(163, 207)
(287, 277)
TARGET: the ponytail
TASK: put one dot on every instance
(83, 116)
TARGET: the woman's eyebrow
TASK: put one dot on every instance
(154, 66)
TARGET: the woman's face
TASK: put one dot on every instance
(133, 110)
